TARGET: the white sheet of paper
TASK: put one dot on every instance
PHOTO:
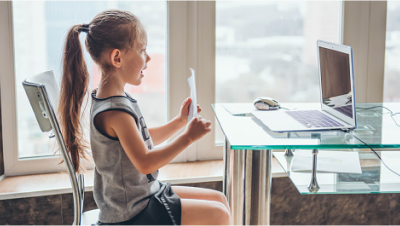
(192, 85)
(239, 109)
(327, 161)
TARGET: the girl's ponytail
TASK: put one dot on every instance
(115, 29)
(74, 86)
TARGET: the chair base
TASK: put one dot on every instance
(90, 217)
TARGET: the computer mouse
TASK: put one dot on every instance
(266, 103)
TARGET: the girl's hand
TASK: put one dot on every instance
(184, 112)
(197, 128)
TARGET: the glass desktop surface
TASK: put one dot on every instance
(375, 127)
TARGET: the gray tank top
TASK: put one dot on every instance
(120, 190)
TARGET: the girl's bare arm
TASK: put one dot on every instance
(162, 133)
(132, 142)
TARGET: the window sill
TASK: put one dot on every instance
(58, 183)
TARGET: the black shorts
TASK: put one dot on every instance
(164, 208)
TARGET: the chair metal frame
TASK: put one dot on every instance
(47, 112)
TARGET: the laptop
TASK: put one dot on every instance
(337, 96)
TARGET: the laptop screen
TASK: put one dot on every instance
(335, 80)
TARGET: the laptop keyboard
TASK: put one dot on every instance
(313, 118)
(346, 110)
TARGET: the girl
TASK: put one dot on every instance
(126, 188)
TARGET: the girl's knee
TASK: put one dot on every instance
(221, 214)
(220, 197)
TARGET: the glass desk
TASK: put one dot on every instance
(248, 153)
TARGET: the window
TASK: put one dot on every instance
(46, 24)
(207, 36)
(257, 55)
(277, 43)
(392, 53)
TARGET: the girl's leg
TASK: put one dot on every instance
(202, 206)
(203, 212)
(200, 193)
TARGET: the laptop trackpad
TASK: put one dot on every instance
(278, 121)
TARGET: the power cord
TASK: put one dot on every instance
(391, 112)
(391, 115)
(379, 157)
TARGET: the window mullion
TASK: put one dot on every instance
(8, 109)
(364, 30)
(206, 76)
(177, 62)
(192, 45)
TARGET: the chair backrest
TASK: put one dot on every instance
(43, 93)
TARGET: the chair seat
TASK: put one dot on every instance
(90, 217)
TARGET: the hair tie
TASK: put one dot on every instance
(84, 28)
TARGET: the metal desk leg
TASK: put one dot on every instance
(262, 179)
(226, 183)
(313, 187)
(248, 188)
(288, 152)
(247, 185)
(233, 184)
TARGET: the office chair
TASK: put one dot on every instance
(43, 94)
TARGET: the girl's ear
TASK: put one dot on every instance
(116, 59)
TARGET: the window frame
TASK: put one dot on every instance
(13, 166)
(191, 25)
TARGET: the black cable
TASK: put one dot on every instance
(369, 108)
(391, 115)
(375, 154)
